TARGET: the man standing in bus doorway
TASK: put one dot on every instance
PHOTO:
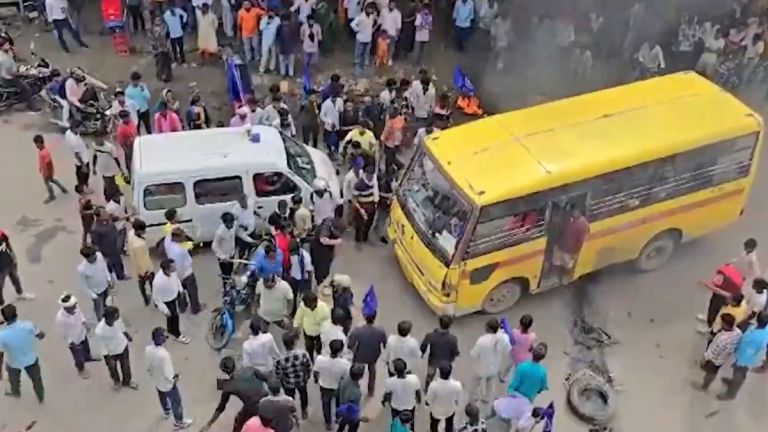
(569, 244)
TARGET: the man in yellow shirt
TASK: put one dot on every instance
(171, 223)
(309, 319)
(142, 265)
(363, 135)
(737, 307)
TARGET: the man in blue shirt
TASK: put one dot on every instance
(176, 19)
(751, 348)
(19, 348)
(137, 93)
(266, 261)
(530, 377)
(463, 14)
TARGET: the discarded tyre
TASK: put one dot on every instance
(591, 398)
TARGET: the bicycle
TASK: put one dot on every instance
(237, 295)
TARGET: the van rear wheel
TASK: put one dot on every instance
(657, 251)
(502, 297)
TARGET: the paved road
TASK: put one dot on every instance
(652, 314)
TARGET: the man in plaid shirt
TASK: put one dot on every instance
(720, 349)
(293, 370)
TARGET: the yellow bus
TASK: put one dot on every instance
(481, 208)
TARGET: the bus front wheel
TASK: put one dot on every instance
(502, 297)
(657, 251)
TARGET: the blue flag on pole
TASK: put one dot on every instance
(370, 302)
(462, 82)
(234, 84)
(306, 82)
(504, 324)
(548, 417)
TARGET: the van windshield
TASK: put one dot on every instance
(299, 160)
(433, 206)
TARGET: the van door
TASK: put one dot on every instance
(272, 186)
(557, 268)
(212, 197)
(152, 199)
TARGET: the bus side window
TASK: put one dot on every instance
(507, 224)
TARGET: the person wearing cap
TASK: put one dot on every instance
(323, 202)
(71, 324)
(241, 117)
(159, 365)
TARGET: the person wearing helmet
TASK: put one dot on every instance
(74, 88)
(273, 300)
(323, 201)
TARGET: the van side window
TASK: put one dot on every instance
(165, 196)
(507, 224)
(218, 190)
(273, 184)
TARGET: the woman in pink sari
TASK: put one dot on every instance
(524, 339)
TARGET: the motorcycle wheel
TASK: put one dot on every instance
(217, 335)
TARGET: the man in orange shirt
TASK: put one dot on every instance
(248, 28)
(392, 137)
(45, 167)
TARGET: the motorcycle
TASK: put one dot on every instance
(36, 76)
(93, 116)
(237, 295)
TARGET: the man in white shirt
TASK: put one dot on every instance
(223, 245)
(166, 289)
(56, 11)
(73, 329)
(246, 220)
(95, 278)
(333, 330)
(114, 338)
(79, 149)
(391, 23)
(422, 96)
(747, 262)
(421, 135)
(650, 60)
(714, 43)
(443, 398)
(753, 51)
(183, 260)
(273, 300)
(330, 112)
(363, 25)
(158, 363)
(107, 165)
(402, 346)
(260, 350)
(328, 373)
(487, 355)
(117, 209)
(348, 188)
(402, 391)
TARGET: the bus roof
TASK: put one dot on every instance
(196, 150)
(533, 149)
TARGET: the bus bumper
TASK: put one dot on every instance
(436, 302)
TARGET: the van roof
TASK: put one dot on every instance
(191, 151)
(533, 149)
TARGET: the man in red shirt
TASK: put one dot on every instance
(45, 168)
(125, 134)
(568, 246)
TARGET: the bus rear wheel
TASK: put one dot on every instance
(502, 297)
(657, 251)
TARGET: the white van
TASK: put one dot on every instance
(201, 173)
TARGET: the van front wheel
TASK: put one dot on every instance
(502, 297)
(657, 251)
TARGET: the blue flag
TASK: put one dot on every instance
(370, 302)
(307, 83)
(504, 324)
(234, 83)
(548, 417)
(462, 82)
